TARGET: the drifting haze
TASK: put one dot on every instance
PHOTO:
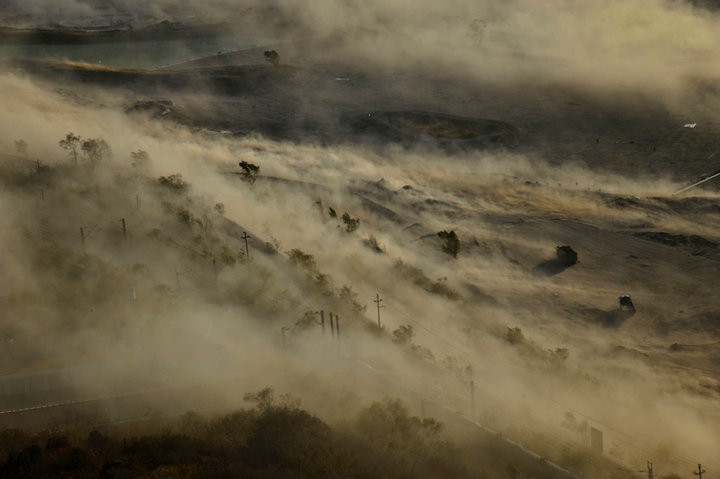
(479, 195)
(506, 226)
(657, 47)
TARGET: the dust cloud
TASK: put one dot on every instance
(174, 301)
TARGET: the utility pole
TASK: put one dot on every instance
(124, 228)
(337, 325)
(282, 330)
(177, 279)
(650, 472)
(133, 300)
(42, 194)
(332, 325)
(472, 398)
(82, 237)
(37, 165)
(322, 320)
(378, 301)
(246, 236)
(700, 471)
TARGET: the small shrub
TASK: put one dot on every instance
(323, 282)
(271, 56)
(515, 336)
(349, 296)
(403, 334)
(96, 440)
(441, 288)
(249, 171)
(308, 320)
(559, 354)
(184, 216)
(228, 257)
(174, 182)
(372, 243)
(263, 399)
(140, 159)
(78, 458)
(192, 423)
(351, 224)
(422, 352)
(451, 243)
(304, 260)
(57, 442)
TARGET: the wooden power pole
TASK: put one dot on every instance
(651, 473)
(700, 471)
(472, 399)
(246, 236)
(378, 301)
(284, 341)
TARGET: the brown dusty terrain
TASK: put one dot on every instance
(632, 237)
(308, 99)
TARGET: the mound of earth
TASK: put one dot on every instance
(446, 130)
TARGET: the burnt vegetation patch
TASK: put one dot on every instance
(698, 244)
(422, 127)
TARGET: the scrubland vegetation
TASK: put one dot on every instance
(424, 222)
(275, 438)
